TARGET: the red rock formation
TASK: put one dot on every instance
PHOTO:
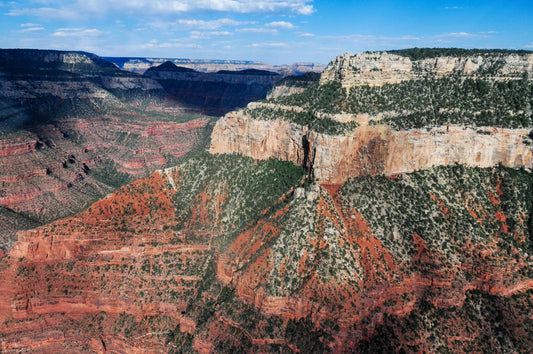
(48, 173)
(120, 275)
(82, 268)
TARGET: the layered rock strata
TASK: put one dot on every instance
(380, 68)
(74, 127)
(321, 269)
(370, 150)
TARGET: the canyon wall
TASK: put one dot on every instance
(291, 127)
(370, 149)
(427, 248)
(168, 263)
(74, 127)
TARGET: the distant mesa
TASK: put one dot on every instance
(140, 65)
(170, 66)
(213, 93)
(27, 60)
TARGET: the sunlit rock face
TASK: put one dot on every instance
(380, 68)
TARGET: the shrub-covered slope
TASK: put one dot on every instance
(223, 253)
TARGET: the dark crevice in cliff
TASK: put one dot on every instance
(309, 157)
(103, 344)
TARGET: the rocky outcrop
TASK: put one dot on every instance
(284, 90)
(370, 150)
(380, 68)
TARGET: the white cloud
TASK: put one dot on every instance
(208, 34)
(210, 25)
(81, 9)
(452, 7)
(30, 25)
(459, 34)
(270, 45)
(467, 35)
(31, 29)
(306, 35)
(280, 25)
(177, 43)
(530, 45)
(361, 38)
(258, 30)
(65, 13)
(77, 32)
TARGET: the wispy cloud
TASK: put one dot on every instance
(48, 12)
(69, 10)
(177, 43)
(257, 30)
(30, 25)
(280, 25)
(31, 29)
(208, 34)
(365, 37)
(270, 45)
(306, 34)
(458, 34)
(77, 32)
(452, 7)
(467, 34)
(211, 24)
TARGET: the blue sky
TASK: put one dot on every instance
(273, 31)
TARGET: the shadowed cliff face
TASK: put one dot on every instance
(213, 93)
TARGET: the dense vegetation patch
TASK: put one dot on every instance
(446, 206)
(308, 117)
(246, 187)
(427, 102)
(426, 53)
